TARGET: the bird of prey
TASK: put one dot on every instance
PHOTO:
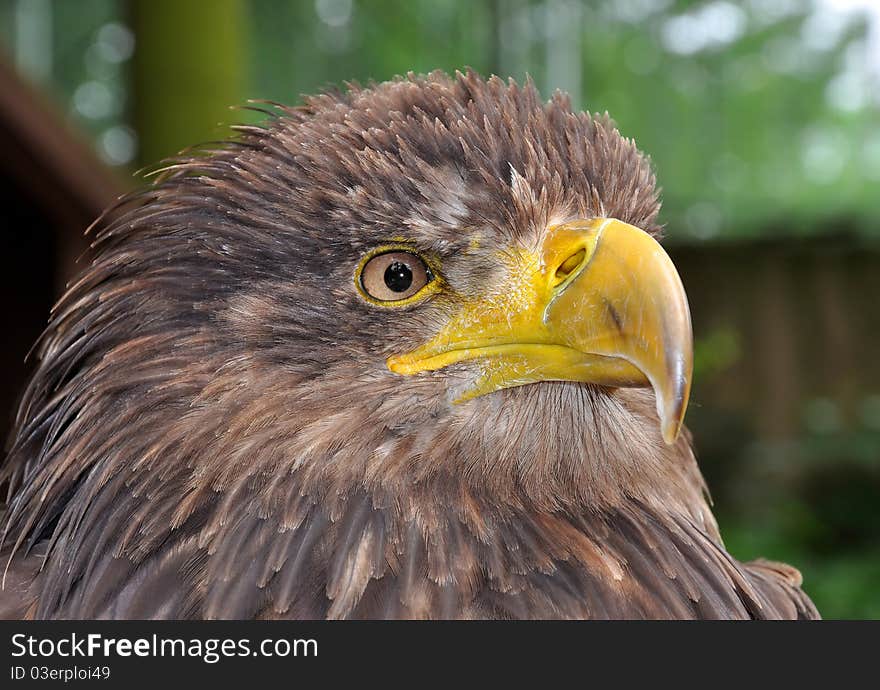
(404, 351)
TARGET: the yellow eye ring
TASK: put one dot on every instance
(395, 276)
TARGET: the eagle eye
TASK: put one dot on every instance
(394, 276)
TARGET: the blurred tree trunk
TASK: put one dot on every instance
(188, 69)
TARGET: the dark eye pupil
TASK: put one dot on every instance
(398, 277)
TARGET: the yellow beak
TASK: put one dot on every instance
(600, 302)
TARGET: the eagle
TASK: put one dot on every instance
(409, 350)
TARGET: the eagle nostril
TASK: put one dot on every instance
(569, 266)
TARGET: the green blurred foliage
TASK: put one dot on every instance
(823, 517)
(761, 116)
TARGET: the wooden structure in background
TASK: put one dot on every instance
(52, 186)
(797, 393)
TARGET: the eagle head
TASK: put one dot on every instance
(403, 350)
